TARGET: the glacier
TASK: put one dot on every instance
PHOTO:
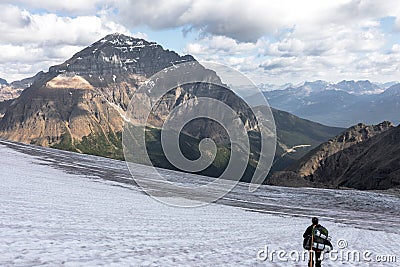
(62, 208)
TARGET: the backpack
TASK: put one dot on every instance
(321, 239)
(320, 234)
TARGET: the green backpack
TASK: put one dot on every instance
(320, 234)
(321, 239)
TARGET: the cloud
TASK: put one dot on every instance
(225, 50)
(52, 29)
(12, 16)
(241, 20)
(231, 18)
(332, 44)
(70, 7)
(31, 38)
(396, 48)
(350, 54)
(281, 41)
(220, 44)
(248, 21)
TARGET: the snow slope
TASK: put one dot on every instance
(64, 212)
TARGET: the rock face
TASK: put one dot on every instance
(3, 107)
(325, 153)
(362, 157)
(117, 65)
(211, 87)
(46, 115)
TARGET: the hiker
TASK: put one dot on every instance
(308, 238)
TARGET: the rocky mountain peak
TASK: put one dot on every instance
(361, 132)
(3, 82)
(121, 40)
(393, 90)
(359, 87)
(317, 83)
(118, 55)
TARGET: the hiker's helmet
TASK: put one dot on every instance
(314, 220)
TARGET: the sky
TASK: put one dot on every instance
(269, 41)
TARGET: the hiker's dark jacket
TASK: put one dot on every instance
(308, 231)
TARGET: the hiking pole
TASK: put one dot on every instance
(311, 248)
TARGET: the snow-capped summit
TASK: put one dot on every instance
(121, 40)
(359, 87)
(315, 85)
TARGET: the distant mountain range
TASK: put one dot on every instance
(343, 104)
(8, 92)
(14, 89)
(351, 86)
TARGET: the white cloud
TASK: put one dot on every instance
(286, 40)
(53, 29)
(220, 44)
(37, 38)
(12, 16)
(19, 53)
(70, 7)
(248, 21)
(330, 49)
(396, 48)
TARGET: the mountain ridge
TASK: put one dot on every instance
(362, 157)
